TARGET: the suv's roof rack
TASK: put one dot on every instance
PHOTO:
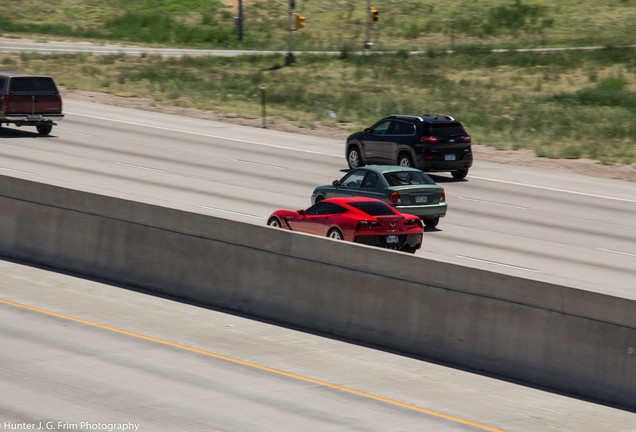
(421, 117)
(437, 116)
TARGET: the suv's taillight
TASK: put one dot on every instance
(429, 139)
(395, 198)
(466, 138)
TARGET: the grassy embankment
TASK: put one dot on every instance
(562, 104)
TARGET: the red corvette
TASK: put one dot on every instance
(361, 220)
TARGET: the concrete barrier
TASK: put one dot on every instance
(568, 339)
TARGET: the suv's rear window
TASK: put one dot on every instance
(32, 85)
(446, 130)
(373, 208)
(403, 178)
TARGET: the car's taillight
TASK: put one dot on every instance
(429, 139)
(467, 138)
(366, 224)
(395, 198)
(4, 102)
(443, 197)
(414, 221)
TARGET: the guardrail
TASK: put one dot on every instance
(568, 339)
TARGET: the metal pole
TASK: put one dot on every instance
(290, 59)
(240, 21)
(263, 109)
(368, 44)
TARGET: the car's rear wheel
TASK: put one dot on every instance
(335, 234)
(405, 160)
(353, 157)
(44, 129)
(274, 222)
(431, 223)
(460, 173)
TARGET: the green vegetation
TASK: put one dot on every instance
(331, 24)
(568, 104)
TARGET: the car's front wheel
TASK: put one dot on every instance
(274, 222)
(335, 234)
(353, 157)
(460, 173)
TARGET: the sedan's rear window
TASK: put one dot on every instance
(404, 178)
(32, 85)
(373, 208)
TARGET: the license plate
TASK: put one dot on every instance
(421, 199)
(392, 239)
(449, 157)
(35, 117)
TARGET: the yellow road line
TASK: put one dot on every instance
(257, 366)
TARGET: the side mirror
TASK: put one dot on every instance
(336, 183)
(301, 212)
(368, 130)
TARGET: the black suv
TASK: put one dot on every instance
(430, 142)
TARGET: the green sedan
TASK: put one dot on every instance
(408, 190)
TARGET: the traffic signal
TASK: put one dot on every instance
(373, 16)
(299, 21)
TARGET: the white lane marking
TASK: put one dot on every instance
(140, 167)
(616, 252)
(555, 189)
(73, 132)
(492, 203)
(209, 135)
(17, 171)
(228, 211)
(497, 263)
(259, 164)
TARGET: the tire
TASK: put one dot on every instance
(431, 223)
(404, 160)
(274, 222)
(44, 129)
(335, 234)
(460, 173)
(353, 157)
(409, 249)
(318, 199)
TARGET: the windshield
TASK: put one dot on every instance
(373, 208)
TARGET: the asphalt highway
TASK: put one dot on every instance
(78, 352)
(563, 228)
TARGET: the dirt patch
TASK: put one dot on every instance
(513, 157)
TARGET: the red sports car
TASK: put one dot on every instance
(361, 220)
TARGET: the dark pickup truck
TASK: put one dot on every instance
(29, 100)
